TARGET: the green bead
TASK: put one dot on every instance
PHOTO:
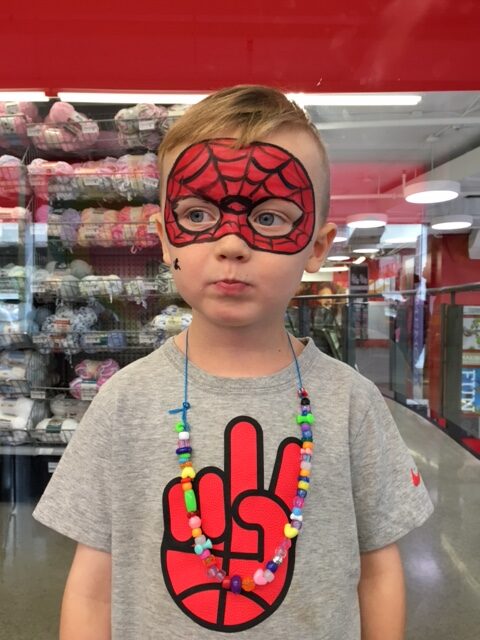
(190, 500)
(309, 419)
(179, 427)
(184, 457)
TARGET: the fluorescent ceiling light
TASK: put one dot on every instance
(343, 233)
(23, 96)
(355, 99)
(366, 220)
(130, 98)
(359, 260)
(451, 223)
(366, 250)
(338, 258)
(431, 191)
(331, 269)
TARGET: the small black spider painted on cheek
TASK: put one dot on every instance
(176, 265)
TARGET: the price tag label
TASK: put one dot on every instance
(146, 339)
(150, 183)
(5, 424)
(38, 394)
(40, 340)
(95, 339)
(89, 127)
(34, 130)
(88, 390)
(146, 125)
(62, 325)
(54, 426)
(12, 108)
(7, 125)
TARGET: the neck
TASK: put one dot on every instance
(238, 352)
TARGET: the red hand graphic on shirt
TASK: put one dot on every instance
(245, 523)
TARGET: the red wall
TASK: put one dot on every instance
(379, 45)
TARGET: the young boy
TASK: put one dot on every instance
(293, 483)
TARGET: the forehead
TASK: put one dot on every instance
(299, 145)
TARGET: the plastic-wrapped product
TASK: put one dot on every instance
(143, 125)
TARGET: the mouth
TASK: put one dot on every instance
(230, 286)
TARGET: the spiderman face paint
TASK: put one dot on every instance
(261, 193)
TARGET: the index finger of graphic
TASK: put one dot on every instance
(243, 456)
(285, 473)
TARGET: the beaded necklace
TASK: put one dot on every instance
(203, 545)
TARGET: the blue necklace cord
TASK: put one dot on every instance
(186, 405)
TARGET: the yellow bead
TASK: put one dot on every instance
(305, 472)
(303, 485)
(196, 533)
(289, 531)
(188, 472)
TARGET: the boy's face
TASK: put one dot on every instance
(240, 225)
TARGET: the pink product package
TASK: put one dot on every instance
(13, 177)
(66, 129)
(49, 177)
(14, 117)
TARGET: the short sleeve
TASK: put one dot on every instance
(77, 500)
(389, 494)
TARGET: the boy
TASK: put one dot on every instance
(232, 544)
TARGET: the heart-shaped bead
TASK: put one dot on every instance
(289, 531)
(259, 578)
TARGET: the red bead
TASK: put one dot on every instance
(226, 583)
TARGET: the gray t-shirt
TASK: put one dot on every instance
(116, 488)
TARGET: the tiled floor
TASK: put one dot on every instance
(442, 559)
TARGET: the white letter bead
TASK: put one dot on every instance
(183, 435)
(293, 516)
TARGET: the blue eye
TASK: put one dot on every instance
(196, 216)
(266, 219)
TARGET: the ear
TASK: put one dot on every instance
(163, 241)
(321, 246)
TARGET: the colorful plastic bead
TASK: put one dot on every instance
(271, 566)
(226, 583)
(305, 465)
(303, 485)
(179, 427)
(290, 531)
(184, 435)
(196, 532)
(209, 561)
(205, 554)
(294, 516)
(221, 574)
(200, 539)
(248, 583)
(187, 486)
(297, 511)
(269, 577)
(190, 500)
(296, 524)
(305, 473)
(304, 401)
(308, 418)
(301, 493)
(200, 548)
(298, 502)
(181, 450)
(259, 578)
(278, 559)
(235, 584)
(188, 472)
(194, 522)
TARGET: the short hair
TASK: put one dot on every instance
(254, 111)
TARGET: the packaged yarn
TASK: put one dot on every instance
(13, 177)
(63, 406)
(64, 129)
(52, 179)
(92, 374)
(14, 118)
(143, 125)
(54, 430)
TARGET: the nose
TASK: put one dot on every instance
(232, 247)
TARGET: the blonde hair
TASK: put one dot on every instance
(253, 112)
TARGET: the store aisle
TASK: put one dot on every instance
(442, 562)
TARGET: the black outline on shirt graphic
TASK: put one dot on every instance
(171, 544)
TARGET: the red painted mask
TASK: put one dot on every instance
(261, 193)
